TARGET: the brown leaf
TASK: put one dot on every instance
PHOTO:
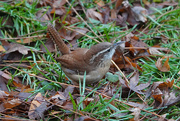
(68, 20)
(105, 15)
(18, 47)
(91, 13)
(37, 108)
(166, 85)
(26, 96)
(121, 20)
(26, 40)
(49, 45)
(163, 67)
(161, 86)
(135, 65)
(154, 51)
(59, 11)
(131, 19)
(58, 3)
(136, 113)
(68, 90)
(113, 14)
(88, 100)
(100, 3)
(68, 105)
(11, 47)
(3, 82)
(137, 47)
(42, 17)
(133, 84)
(58, 98)
(157, 95)
(139, 13)
(2, 49)
(171, 98)
(12, 103)
(118, 3)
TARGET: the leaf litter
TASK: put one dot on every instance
(56, 104)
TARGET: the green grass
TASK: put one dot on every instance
(44, 64)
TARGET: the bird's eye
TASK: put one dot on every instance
(108, 50)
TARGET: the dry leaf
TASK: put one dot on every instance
(91, 13)
(100, 3)
(140, 13)
(3, 82)
(12, 103)
(154, 51)
(37, 108)
(18, 47)
(2, 49)
(136, 113)
(133, 84)
(118, 3)
(42, 17)
(163, 67)
(131, 63)
(49, 45)
(59, 11)
(58, 3)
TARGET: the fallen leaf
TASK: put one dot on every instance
(140, 13)
(2, 49)
(49, 45)
(58, 3)
(3, 82)
(163, 67)
(59, 11)
(133, 84)
(11, 47)
(113, 14)
(118, 4)
(121, 20)
(42, 17)
(171, 98)
(91, 13)
(136, 113)
(166, 85)
(100, 3)
(154, 51)
(12, 103)
(131, 63)
(18, 47)
(157, 95)
(37, 108)
(68, 105)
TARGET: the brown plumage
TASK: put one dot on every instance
(94, 61)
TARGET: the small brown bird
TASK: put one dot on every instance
(94, 61)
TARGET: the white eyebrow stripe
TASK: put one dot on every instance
(94, 56)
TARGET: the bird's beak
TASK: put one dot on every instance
(118, 43)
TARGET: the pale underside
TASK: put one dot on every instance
(93, 73)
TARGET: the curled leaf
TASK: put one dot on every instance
(163, 67)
